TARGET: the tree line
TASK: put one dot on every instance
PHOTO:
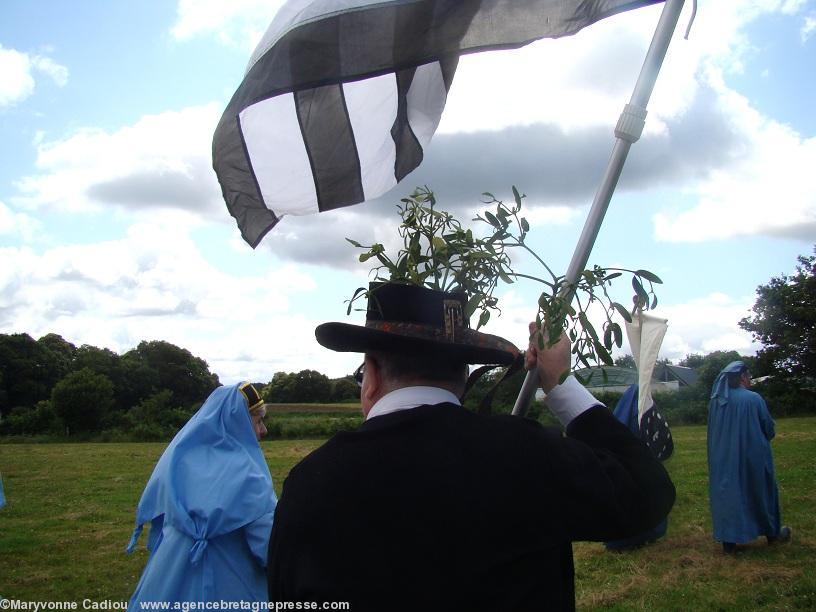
(50, 386)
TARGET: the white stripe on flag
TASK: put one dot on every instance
(372, 109)
(426, 101)
(278, 156)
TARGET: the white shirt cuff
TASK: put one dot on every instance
(569, 399)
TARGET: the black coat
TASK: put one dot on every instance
(437, 508)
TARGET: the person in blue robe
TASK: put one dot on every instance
(210, 504)
(742, 486)
(626, 411)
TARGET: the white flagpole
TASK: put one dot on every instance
(630, 125)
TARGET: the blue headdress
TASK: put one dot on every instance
(720, 389)
(212, 479)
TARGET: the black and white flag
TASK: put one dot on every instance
(341, 97)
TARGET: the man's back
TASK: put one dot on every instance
(438, 508)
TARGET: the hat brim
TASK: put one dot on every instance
(470, 346)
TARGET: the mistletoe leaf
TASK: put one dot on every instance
(649, 276)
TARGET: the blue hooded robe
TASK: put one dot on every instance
(210, 504)
(626, 411)
(741, 482)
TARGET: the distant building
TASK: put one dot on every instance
(665, 378)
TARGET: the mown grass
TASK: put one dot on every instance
(71, 506)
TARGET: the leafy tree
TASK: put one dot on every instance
(711, 366)
(692, 361)
(156, 365)
(344, 390)
(784, 320)
(23, 368)
(307, 386)
(82, 400)
(35, 420)
(156, 417)
(626, 361)
(57, 356)
(105, 361)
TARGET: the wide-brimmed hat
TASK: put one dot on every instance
(411, 319)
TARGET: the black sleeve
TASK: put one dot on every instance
(611, 485)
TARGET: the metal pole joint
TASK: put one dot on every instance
(630, 123)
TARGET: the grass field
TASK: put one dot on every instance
(71, 506)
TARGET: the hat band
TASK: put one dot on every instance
(252, 396)
(415, 330)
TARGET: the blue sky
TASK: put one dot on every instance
(112, 228)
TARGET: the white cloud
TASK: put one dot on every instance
(766, 189)
(155, 284)
(19, 224)
(808, 27)
(161, 161)
(57, 72)
(705, 325)
(17, 71)
(236, 23)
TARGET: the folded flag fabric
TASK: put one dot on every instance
(341, 97)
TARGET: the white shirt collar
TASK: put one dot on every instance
(410, 397)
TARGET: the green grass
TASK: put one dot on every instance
(71, 507)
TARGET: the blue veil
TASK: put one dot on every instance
(212, 480)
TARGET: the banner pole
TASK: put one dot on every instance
(630, 125)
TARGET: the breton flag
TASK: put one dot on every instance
(645, 334)
(341, 97)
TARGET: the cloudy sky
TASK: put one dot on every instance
(113, 231)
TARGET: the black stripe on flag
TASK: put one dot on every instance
(409, 151)
(239, 185)
(329, 140)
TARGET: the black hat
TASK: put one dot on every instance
(411, 319)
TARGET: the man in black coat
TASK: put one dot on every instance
(430, 507)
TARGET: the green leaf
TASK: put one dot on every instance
(643, 297)
(516, 196)
(472, 304)
(613, 275)
(588, 327)
(355, 243)
(354, 297)
(483, 318)
(603, 353)
(649, 276)
(525, 226)
(608, 337)
(505, 278)
(439, 244)
(364, 257)
(654, 301)
(622, 312)
(491, 218)
(616, 331)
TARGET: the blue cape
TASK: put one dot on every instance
(210, 504)
(741, 483)
(2, 494)
(626, 411)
